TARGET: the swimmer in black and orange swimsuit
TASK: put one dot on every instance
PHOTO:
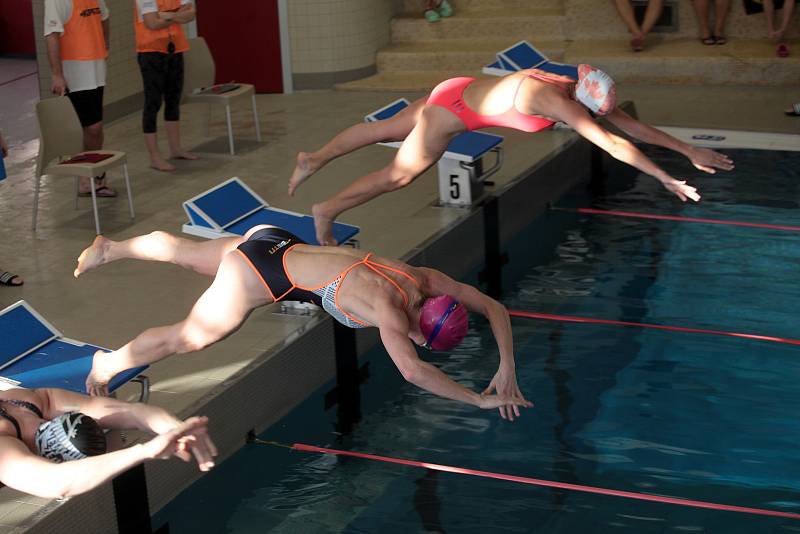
(529, 100)
(409, 305)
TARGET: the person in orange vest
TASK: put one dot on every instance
(160, 43)
(76, 33)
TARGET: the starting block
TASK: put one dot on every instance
(231, 209)
(34, 354)
(461, 172)
(524, 55)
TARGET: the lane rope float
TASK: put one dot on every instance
(590, 320)
(638, 215)
(538, 482)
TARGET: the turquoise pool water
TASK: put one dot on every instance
(697, 416)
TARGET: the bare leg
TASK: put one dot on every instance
(422, 148)
(174, 138)
(721, 9)
(219, 312)
(353, 138)
(701, 10)
(625, 10)
(203, 257)
(788, 10)
(651, 15)
(92, 140)
(157, 161)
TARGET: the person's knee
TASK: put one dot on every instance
(397, 178)
(191, 339)
(94, 131)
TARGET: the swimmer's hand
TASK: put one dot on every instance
(708, 161)
(680, 189)
(187, 439)
(504, 384)
(490, 402)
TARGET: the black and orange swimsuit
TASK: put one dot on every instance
(265, 252)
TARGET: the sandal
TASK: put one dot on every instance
(7, 279)
(101, 192)
(782, 50)
(720, 39)
(708, 41)
(794, 111)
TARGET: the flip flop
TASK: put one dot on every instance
(102, 192)
(7, 279)
(637, 44)
(708, 41)
(720, 39)
(445, 9)
(782, 50)
(794, 111)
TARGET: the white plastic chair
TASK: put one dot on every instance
(199, 73)
(61, 138)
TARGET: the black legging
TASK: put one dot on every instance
(162, 75)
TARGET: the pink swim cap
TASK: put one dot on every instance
(596, 90)
(443, 322)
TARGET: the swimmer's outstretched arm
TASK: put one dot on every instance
(505, 380)
(24, 471)
(619, 148)
(703, 158)
(393, 326)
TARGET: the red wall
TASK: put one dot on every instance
(16, 27)
(244, 40)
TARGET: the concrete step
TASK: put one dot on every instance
(451, 55)
(687, 61)
(404, 82)
(532, 24)
(510, 7)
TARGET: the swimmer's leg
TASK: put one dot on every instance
(203, 257)
(219, 312)
(357, 136)
(422, 148)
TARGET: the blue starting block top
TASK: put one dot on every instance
(524, 55)
(467, 146)
(35, 354)
(232, 208)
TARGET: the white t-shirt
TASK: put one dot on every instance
(80, 75)
(151, 6)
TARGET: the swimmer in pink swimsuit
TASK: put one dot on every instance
(528, 100)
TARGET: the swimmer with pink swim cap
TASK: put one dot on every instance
(410, 306)
(529, 100)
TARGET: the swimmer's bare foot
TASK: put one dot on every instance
(302, 171)
(323, 224)
(160, 164)
(92, 256)
(183, 154)
(99, 376)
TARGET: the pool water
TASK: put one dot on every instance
(690, 415)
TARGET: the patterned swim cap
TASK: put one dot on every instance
(444, 322)
(596, 90)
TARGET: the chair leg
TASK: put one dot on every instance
(128, 186)
(77, 190)
(36, 201)
(230, 129)
(94, 207)
(255, 119)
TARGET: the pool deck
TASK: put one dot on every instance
(118, 301)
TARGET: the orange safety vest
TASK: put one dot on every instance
(83, 38)
(148, 40)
